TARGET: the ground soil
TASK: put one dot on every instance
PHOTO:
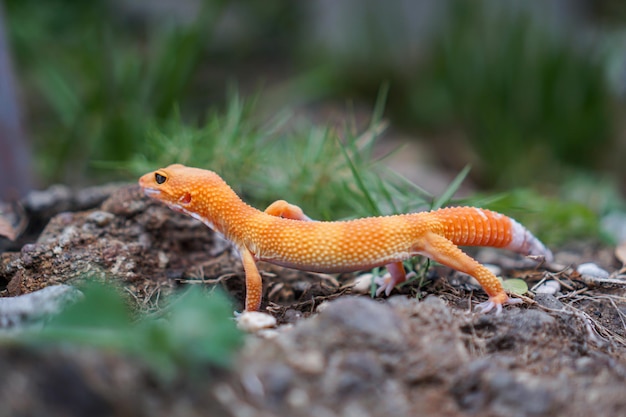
(336, 352)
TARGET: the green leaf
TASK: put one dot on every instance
(198, 330)
(203, 328)
(515, 286)
(102, 307)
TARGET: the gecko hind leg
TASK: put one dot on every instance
(447, 253)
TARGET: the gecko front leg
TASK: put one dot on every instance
(254, 284)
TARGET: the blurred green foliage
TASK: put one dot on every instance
(97, 82)
(528, 100)
(531, 100)
(196, 330)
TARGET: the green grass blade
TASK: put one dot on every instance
(360, 182)
(447, 195)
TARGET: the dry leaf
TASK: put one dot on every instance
(6, 229)
(12, 220)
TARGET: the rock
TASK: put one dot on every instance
(129, 238)
(549, 300)
(373, 322)
(55, 198)
(28, 308)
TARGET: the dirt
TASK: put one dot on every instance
(335, 352)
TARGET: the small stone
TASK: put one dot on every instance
(253, 321)
(163, 259)
(495, 269)
(548, 287)
(363, 283)
(322, 306)
(100, 218)
(592, 270)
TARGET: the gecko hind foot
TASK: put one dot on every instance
(387, 283)
(492, 303)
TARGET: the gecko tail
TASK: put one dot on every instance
(472, 226)
(524, 242)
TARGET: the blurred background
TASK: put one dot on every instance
(530, 94)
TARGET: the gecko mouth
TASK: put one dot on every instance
(152, 192)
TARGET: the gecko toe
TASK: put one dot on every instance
(384, 284)
(492, 303)
(486, 307)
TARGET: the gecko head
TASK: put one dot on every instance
(178, 186)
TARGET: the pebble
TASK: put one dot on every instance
(164, 260)
(548, 287)
(100, 218)
(363, 283)
(592, 270)
(495, 269)
(322, 306)
(253, 321)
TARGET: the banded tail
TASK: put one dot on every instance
(471, 226)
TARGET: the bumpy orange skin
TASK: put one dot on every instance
(285, 236)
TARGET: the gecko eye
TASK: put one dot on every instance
(160, 179)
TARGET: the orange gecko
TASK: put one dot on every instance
(284, 235)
